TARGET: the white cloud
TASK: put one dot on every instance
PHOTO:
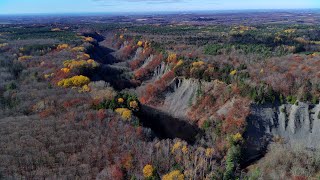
(145, 1)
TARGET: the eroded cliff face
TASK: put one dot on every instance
(182, 96)
(160, 71)
(291, 124)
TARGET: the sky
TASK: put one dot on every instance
(114, 6)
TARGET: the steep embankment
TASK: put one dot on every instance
(160, 71)
(180, 94)
(180, 97)
(292, 124)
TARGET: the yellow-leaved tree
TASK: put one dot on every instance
(148, 171)
(198, 64)
(89, 39)
(134, 105)
(75, 81)
(124, 112)
(62, 46)
(173, 175)
(140, 43)
(234, 72)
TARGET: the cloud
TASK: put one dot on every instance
(146, 1)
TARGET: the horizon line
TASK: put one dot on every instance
(154, 12)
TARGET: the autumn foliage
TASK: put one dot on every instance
(149, 68)
(157, 87)
(148, 171)
(174, 175)
(62, 46)
(140, 59)
(75, 81)
(295, 75)
(77, 64)
(124, 112)
(235, 119)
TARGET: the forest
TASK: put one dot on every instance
(159, 101)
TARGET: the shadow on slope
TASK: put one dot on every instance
(166, 126)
